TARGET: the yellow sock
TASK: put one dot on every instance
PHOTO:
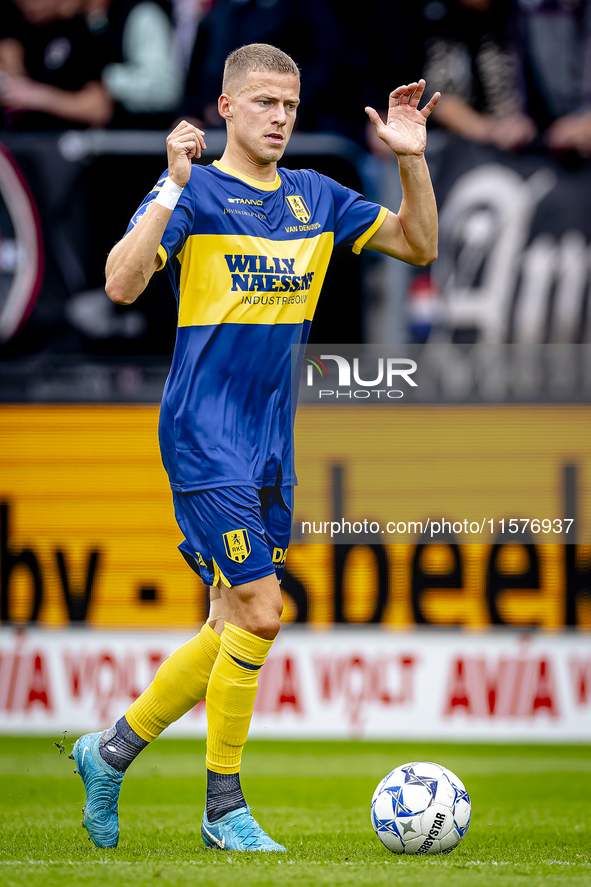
(230, 697)
(178, 685)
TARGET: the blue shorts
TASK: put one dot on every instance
(236, 534)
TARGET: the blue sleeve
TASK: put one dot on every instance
(179, 225)
(355, 218)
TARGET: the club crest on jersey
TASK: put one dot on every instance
(298, 208)
(237, 545)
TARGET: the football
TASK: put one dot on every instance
(420, 808)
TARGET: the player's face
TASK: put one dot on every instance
(263, 114)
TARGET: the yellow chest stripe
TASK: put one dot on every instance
(243, 279)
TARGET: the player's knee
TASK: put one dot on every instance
(266, 624)
(256, 607)
(266, 618)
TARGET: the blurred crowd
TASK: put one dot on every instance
(513, 73)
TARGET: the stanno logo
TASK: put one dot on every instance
(237, 545)
(244, 200)
(298, 208)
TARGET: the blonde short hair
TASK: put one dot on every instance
(256, 57)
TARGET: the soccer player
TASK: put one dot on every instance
(246, 248)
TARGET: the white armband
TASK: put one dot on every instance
(169, 194)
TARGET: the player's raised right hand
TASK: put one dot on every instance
(183, 143)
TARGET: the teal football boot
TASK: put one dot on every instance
(238, 830)
(101, 783)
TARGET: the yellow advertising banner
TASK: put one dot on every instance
(446, 515)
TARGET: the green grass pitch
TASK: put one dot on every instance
(530, 817)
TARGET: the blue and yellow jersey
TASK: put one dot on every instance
(247, 260)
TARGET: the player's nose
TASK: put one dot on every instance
(280, 115)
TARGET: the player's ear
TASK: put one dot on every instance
(225, 106)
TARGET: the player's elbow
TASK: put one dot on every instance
(427, 260)
(118, 293)
(424, 257)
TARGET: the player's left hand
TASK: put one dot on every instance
(405, 132)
